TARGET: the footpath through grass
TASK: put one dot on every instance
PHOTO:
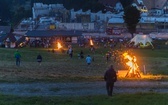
(118, 99)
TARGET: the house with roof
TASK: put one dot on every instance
(40, 9)
(154, 7)
(109, 4)
(64, 36)
(52, 10)
(92, 17)
(7, 39)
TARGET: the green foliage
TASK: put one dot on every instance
(131, 18)
(4, 12)
(126, 3)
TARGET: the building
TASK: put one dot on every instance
(40, 9)
(7, 39)
(62, 35)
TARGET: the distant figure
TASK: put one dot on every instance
(88, 60)
(17, 56)
(53, 51)
(81, 54)
(92, 49)
(39, 59)
(107, 57)
(110, 77)
(70, 52)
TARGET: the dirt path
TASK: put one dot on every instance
(80, 88)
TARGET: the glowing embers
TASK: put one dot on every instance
(133, 66)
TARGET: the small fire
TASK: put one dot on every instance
(59, 45)
(91, 42)
(133, 66)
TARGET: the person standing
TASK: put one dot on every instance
(88, 60)
(70, 52)
(39, 59)
(110, 77)
(81, 54)
(107, 56)
(17, 56)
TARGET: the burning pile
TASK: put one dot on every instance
(133, 66)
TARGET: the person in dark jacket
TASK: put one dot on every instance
(81, 54)
(110, 77)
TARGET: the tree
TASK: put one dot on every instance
(131, 18)
(126, 3)
(131, 15)
(5, 15)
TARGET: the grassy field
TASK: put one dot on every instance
(121, 99)
(60, 67)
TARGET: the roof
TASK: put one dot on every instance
(154, 3)
(4, 32)
(9, 36)
(22, 39)
(50, 33)
(3, 37)
(116, 20)
(5, 29)
(12, 37)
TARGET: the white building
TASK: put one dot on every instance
(98, 16)
(40, 9)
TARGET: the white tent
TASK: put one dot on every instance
(142, 39)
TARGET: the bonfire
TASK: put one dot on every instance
(133, 66)
(91, 42)
(59, 45)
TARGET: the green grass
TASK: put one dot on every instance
(119, 99)
(59, 67)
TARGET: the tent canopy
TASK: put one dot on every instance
(142, 39)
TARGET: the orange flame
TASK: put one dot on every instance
(131, 63)
(91, 42)
(59, 45)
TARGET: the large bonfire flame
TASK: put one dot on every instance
(59, 45)
(133, 66)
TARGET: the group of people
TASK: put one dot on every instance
(110, 75)
(17, 56)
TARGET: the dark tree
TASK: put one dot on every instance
(126, 3)
(131, 18)
(5, 15)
